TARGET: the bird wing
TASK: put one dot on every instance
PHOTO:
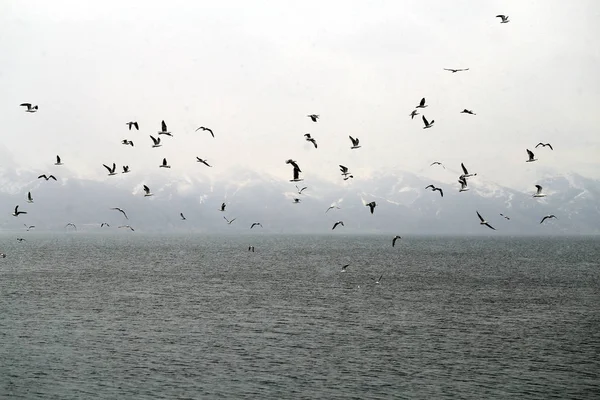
(29, 196)
(156, 141)
(539, 144)
(489, 226)
(539, 189)
(441, 191)
(530, 153)
(43, 176)
(394, 241)
(425, 120)
(464, 168)
(28, 105)
(107, 167)
(549, 145)
(164, 161)
(422, 103)
(543, 219)
(480, 217)
(211, 132)
(57, 159)
(430, 186)
(146, 189)
(52, 176)
(137, 127)
(16, 209)
(164, 126)
(296, 173)
(352, 140)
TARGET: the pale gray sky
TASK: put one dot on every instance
(252, 71)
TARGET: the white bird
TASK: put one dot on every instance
(111, 171)
(337, 223)
(17, 212)
(30, 108)
(156, 141)
(164, 164)
(354, 143)
(427, 123)
(121, 211)
(29, 198)
(422, 103)
(58, 161)
(104, 224)
(539, 192)
(504, 18)
(483, 221)
(163, 130)
(147, 190)
(344, 267)
(394, 240)
(531, 156)
(548, 217)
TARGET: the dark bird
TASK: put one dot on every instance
(344, 267)
(539, 193)
(465, 111)
(294, 164)
(354, 143)
(134, 124)
(125, 169)
(147, 190)
(156, 141)
(466, 173)
(71, 224)
(251, 248)
(504, 18)
(310, 139)
(301, 190)
(58, 161)
(111, 171)
(433, 189)
(182, 217)
(205, 162)
(255, 224)
(531, 156)
(505, 217)
(463, 183)
(127, 227)
(164, 164)
(30, 108)
(455, 70)
(28, 227)
(337, 223)
(344, 170)
(296, 175)
(223, 205)
(230, 221)
(102, 225)
(378, 280)
(47, 177)
(437, 163)
(314, 117)
(206, 129)
(17, 212)
(427, 123)
(331, 207)
(394, 240)
(348, 177)
(544, 145)
(548, 217)
(121, 211)
(296, 201)
(372, 206)
(163, 130)
(413, 114)
(29, 198)
(483, 221)
(127, 142)
(422, 103)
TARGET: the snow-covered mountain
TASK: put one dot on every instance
(403, 204)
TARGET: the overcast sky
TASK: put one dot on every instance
(252, 71)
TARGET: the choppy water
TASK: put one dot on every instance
(149, 317)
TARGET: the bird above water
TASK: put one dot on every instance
(17, 212)
(127, 227)
(332, 207)
(28, 227)
(102, 225)
(71, 224)
(121, 211)
(254, 224)
(344, 267)
(337, 223)
(378, 280)
(394, 240)
(548, 217)
(483, 221)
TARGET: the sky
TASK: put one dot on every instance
(252, 71)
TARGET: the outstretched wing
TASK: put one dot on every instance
(164, 126)
(425, 120)
(480, 217)
(464, 169)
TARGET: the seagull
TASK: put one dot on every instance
(290, 161)
(21, 240)
(422, 103)
(337, 223)
(372, 206)
(128, 227)
(133, 123)
(331, 207)
(163, 130)
(348, 177)
(465, 111)
(156, 141)
(255, 224)
(164, 164)
(455, 70)
(548, 217)
(531, 156)
(58, 161)
(47, 177)
(147, 190)
(251, 248)
(111, 171)
(344, 170)
(121, 211)
(17, 212)
(125, 169)
(344, 267)
(29, 227)
(504, 18)
(230, 221)
(301, 190)
(433, 189)
(427, 123)
(205, 162)
(463, 184)
(296, 201)
(544, 145)
(223, 205)
(354, 143)
(378, 280)
(539, 192)
(314, 117)
(484, 222)
(127, 142)
(296, 175)
(71, 224)
(104, 224)
(29, 198)
(206, 129)
(437, 163)
(310, 139)
(182, 217)
(413, 114)
(394, 240)
(505, 217)
(466, 173)
(30, 108)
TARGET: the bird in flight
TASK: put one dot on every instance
(230, 221)
(17, 212)
(466, 173)
(483, 221)
(394, 240)
(427, 123)
(205, 162)
(30, 108)
(156, 141)
(296, 173)
(505, 217)
(301, 190)
(539, 192)
(437, 163)
(331, 207)
(344, 267)
(164, 164)
(102, 225)
(337, 223)
(164, 130)
(121, 211)
(463, 184)
(251, 248)
(465, 111)
(206, 129)
(125, 169)
(182, 217)
(422, 103)
(372, 206)
(344, 170)
(378, 280)
(314, 117)
(58, 161)
(147, 190)
(310, 139)
(127, 142)
(29, 198)
(294, 164)
(47, 177)
(71, 224)
(127, 227)
(28, 227)
(456, 70)
(433, 189)
(354, 143)
(223, 205)
(531, 156)
(111, 171)
(255, 224)
(504, 18)
(544, 145)
(548, 217)
(134, 124)
(413, 114)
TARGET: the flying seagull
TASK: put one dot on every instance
(127, 227)
(344, 267)
(164, 164)
(544, 145)
(331, 207)
(301, 190)
(164, 130)
(539, 192)
(58, 161)
(310, 139)
(182, 217)
(29, 198)
(230, 221)
(531, 156)
(29, 227)
(422, 103)
(427, 123)
(251, 248)
(111, 171)
(134, 124)
(433, 189)
(17, 212)
(437, 163)
(147, 190)
(463, 184)
(483, 221)
(372, 206)
(121, 211)
(206, 129)
(30, 108)
(378, 280)
(344, 170)
(223, 205)
(394, 240)
(354, 143)
(156, 141)
(455, 70)
(548, 217)
(127, 142)
(255, 224)
(125, 169)
(505, 217)
(504, 18)
(465, 111)
(466, 173)
(71, 224)
(314, 117)
(337, 223)
(413, 114)
(47, 177)
(205, 162)
(104, 224)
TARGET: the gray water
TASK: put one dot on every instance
(151, 317)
